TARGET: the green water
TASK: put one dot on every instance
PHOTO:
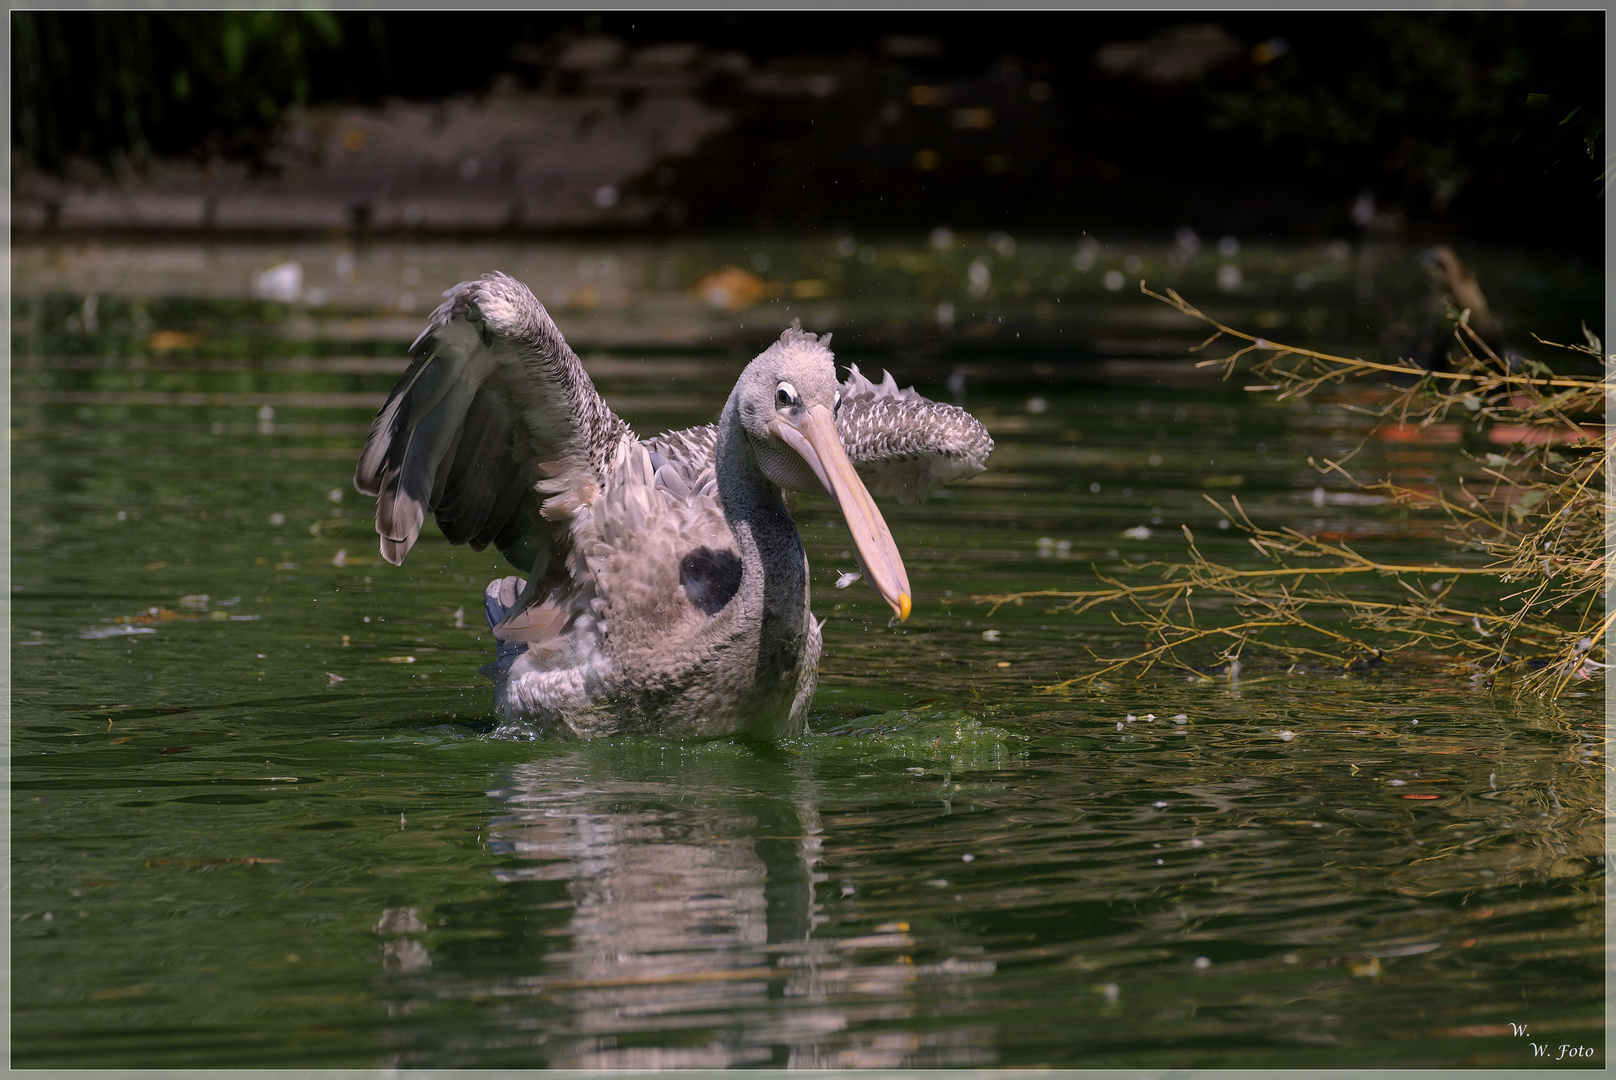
(257, 821)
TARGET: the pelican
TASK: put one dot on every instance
(666, 588)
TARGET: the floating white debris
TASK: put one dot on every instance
(990, 635)
(1406, 950)
(1196, 841)
(1398, 783)
(282, 282)
(85, 318)
(978, 277)
(1181, 718)
(1138, 532)
(1159, 804)
(335, 678)
(1111, 991)
(114, 631)
(1202, 963)
(1321, 498)
(848, 577)
(967, 857)
(1287, 736)
(277, 520)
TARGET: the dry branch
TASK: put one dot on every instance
(1538, 518)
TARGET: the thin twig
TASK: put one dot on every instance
(1540, 524)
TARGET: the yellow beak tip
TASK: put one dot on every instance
(904, 607)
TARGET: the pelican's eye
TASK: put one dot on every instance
(836, 407)
(786, 396)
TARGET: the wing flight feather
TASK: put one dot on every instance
(901, 443)
(904, 444)
(495, 429)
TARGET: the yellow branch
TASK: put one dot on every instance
(1220, 576)
(1172, 299)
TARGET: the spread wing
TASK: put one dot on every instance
(495, 428)
(901, 443)
(906, 445)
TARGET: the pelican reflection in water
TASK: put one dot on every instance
(676, 905)
(666, 587)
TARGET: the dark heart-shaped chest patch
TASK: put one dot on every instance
(710, 578)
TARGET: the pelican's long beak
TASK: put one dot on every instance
(816, 441)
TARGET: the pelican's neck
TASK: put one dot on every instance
(774, 567)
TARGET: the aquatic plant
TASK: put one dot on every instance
(1535, 515)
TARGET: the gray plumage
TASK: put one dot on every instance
(903, 444)
(666, 587)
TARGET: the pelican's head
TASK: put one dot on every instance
(786, 402)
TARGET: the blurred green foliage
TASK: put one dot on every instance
(1459, 123)
(1428, 102)
(123, 87)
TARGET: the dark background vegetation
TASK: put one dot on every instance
(1474, 125)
